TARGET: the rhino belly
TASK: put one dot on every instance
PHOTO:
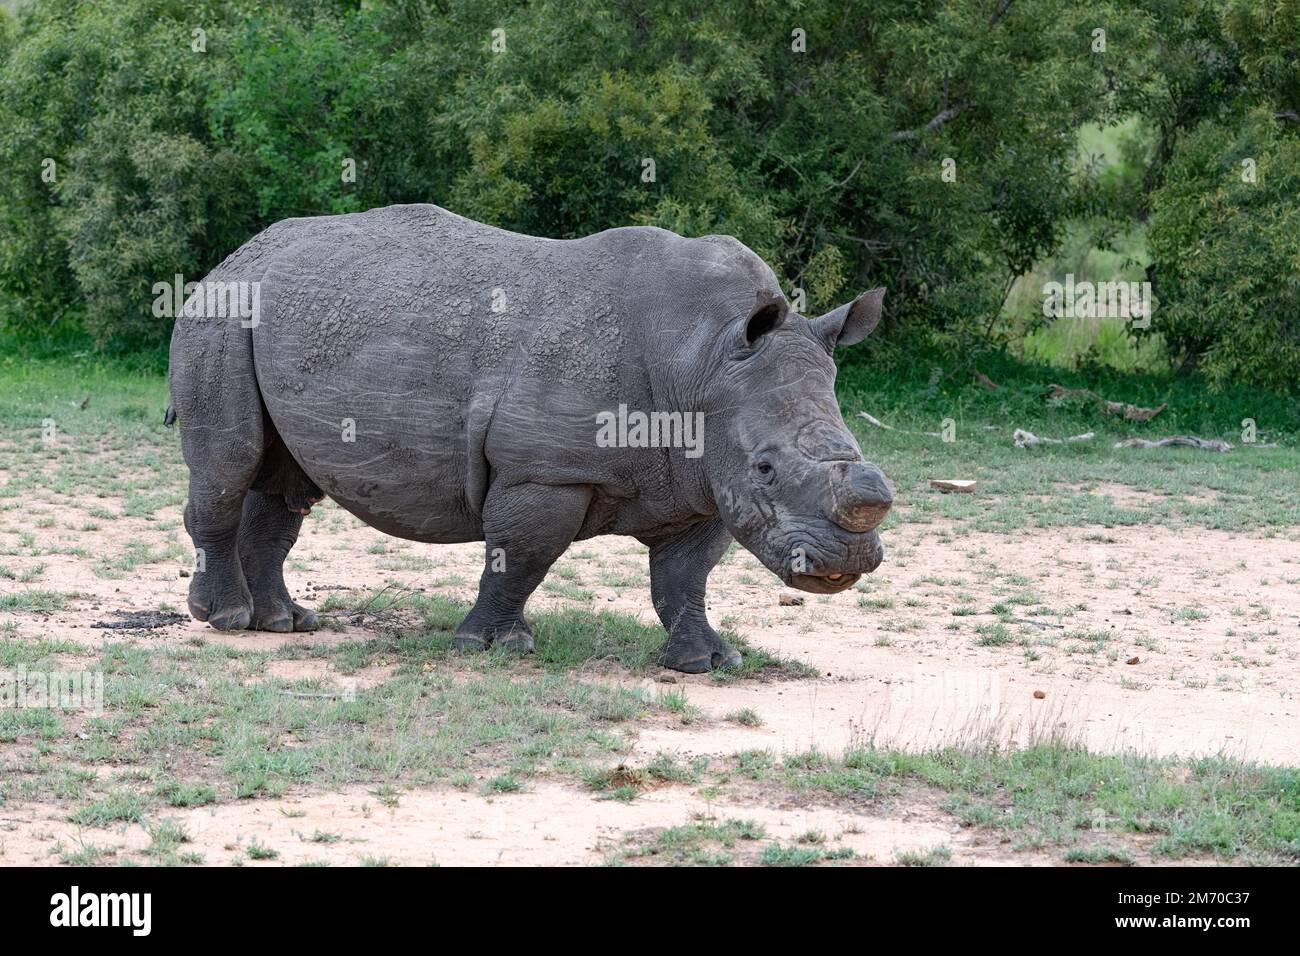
(379, 422)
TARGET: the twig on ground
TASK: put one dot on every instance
(879, 424)
(1209, 444)
(1132, 413)
(1024, 439)
(385, 617)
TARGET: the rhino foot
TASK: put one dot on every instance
(699, 655)
(282, 615)
(513, 636)
(228, 608)
(230, 618)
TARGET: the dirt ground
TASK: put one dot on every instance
(1132, 639)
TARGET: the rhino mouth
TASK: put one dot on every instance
(833, 575)
(832, 583)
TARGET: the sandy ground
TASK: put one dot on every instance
(549, 824)
(1146, 639)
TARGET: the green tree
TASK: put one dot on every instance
(925, 145)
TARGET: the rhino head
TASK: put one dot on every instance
(790, 481)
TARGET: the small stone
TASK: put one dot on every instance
(1134, 660)
(790, 600)
(1040, 695)
(667, 679)
(184, 573)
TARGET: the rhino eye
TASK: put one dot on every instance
(764, 471)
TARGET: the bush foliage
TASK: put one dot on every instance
(179, 129)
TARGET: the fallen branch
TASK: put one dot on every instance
(879, 424)
(1024, 439)
(369, 613)
(1133, 413)
(1209, 444)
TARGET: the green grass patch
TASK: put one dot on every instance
(1067, 797)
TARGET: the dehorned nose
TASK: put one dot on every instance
(861, 497)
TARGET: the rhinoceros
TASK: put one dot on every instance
(448, 381)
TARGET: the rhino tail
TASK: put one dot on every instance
(169, 417)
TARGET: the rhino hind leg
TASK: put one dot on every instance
(526, 529)
(218, 592)
(223, 448)
(679, 568)
(268, 528)
(247, 495)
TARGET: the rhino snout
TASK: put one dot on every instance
(860, 496)
(836, 571)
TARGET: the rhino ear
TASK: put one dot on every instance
(851, 322)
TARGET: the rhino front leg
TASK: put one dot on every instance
(679, 568)
(527, 528)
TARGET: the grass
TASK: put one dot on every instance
(993, 635)
(33, 600)
(242, 739)
(1246, 488)
(774, 854)
(165, 840)
(624, 783)
(746, 717)
(1062, 796)
(31, 651)
(179, 794)
(712, 842)
(565, 639)
(118, 806)
(700, 843)
(85, 854)
(938, 856)
(1099, 854)
(201, 724)
(257, 851)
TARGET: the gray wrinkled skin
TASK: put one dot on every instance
(472, 364)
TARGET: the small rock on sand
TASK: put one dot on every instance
(790, 600)
(952, 484)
